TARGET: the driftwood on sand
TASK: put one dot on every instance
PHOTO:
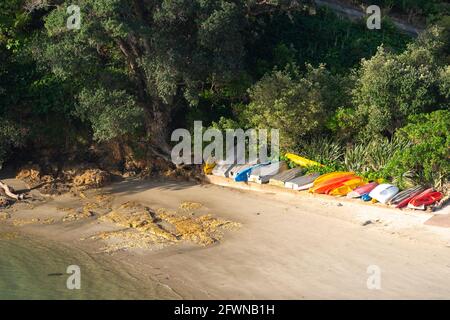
(9, 192)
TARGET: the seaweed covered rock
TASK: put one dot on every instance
(203, 230)
(75, 215)
(30, 174)
(164, 227)
(137, 216)
(189, 205)
(92, 178)
(54, 181)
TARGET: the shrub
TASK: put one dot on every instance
(297, 104)
(389, 88)
(427, 158)
(323, 150)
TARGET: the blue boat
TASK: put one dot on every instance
(243, 174)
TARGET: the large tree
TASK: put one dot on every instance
(133, 62)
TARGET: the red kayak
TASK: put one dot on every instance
(426, 198)
(405, 202)
(358, 192)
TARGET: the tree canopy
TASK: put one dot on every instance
(137, 69)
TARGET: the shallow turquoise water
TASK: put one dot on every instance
(34, 269)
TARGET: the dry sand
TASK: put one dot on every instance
(289, 246)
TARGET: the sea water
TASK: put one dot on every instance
(37, 269)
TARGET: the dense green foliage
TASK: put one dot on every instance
(391, 87)
(298, 104)
(321, 38)
(428, 155)
(349, 97)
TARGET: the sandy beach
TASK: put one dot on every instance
(282, 246)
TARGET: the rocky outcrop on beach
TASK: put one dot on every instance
(92, 178)
(53, 181)
(144, 227)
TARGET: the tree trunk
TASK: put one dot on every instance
(9, 192)
(157, 121)
(157, 114)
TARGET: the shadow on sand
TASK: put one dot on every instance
(131, 186)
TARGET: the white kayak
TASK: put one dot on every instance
(384, 192)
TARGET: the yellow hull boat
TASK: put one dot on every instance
(208, 167)
(300, 161)
(348, 187)
(332, 175)
(330, 178)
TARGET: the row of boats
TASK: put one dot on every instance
(336, 183)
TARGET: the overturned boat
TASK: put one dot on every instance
(303, 182)
(237, 168)
(263, 174)
(384, 192)
(401, 199)
(424, 199)
(281, 178)
(327, 182)
(222, 169)
(362, 190)
(344, 188)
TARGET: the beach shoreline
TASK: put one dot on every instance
(288, 246)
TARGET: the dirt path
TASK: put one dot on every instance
(289, 247)
(353, 12)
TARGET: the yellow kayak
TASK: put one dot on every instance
(329, 176)
(300, 161)
(208, 167)
(348, 187)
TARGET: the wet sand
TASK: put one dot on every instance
(288, 246)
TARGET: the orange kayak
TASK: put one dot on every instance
(337, 185)
(329, 176)
(322, 186)
(331, 184)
